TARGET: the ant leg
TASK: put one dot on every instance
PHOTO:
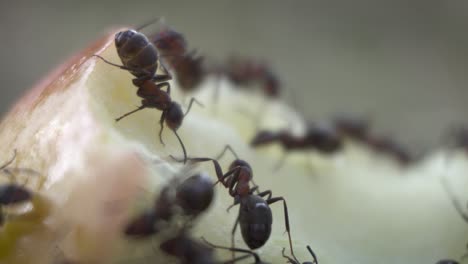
(226, 148)
(233, 232)
(286, 218)
(145, 72)
(290, 260)
(219, 173)
(163, 77)
(454, 200)
(10, 161)
(249, 252)
(161, 123)
(190, 105)
(313, 254)
(129, 113)
(182, 145)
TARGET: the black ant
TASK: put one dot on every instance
(190, 251)
(292, 261)
(11, 193)
(140, 57)
(194, 195)
(389, 146)
(189, 69)
(255, 216)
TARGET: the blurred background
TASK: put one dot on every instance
(403, 63)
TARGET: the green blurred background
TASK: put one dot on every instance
(404, 63)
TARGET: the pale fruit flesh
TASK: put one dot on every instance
(96, 174)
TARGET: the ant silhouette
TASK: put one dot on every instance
(11, 193)
(325, 139)
(292, 261)
(447, 261)
(189, 69)
(255, 217)
(244, 72)
(140, 57)
(194, 195)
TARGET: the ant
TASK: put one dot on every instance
(140, 57)
(354, 127)
(194, 195)
(322, 138)
(255, 216)
(292, 261)
(189, 68)
(188, 250)
(389, 146)
(11, 193)
(243, 71)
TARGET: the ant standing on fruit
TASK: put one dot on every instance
(11, 193)
(322, 138)
(194, 195)
(140, 57)
(292, 261)
(255, 217)
(189, 69)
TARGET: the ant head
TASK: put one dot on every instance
(12, 193)
(240, 163)
(174, 116)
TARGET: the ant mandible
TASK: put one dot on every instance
(293, 261)
(255, 216)
(140, 57)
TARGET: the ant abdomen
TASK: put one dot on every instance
(195, 194)
(174, 116)
(255, 220)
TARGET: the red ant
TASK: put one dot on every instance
(140, 57)
(189, 69)
(255, 217)
(292, 261)
(322, 138)
(243, 72)
(194, 195)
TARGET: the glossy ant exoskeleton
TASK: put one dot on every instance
(293, 261)
(140, 57)
(190, 251)
(255, 216)
(194, 195)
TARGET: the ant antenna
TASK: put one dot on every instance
(313, 254)
(454, 200)
(148, 23)
(182, 145)
(190, 105)
(227, 147)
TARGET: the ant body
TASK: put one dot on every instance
(244, 72)
(255, 216)
(194, 195)
(11, 193)
(351, 126)
(188, 68)
(140, 57)
(322, 138)
(387, 145)
(188, 250)
(292, 261)
(447, 261)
